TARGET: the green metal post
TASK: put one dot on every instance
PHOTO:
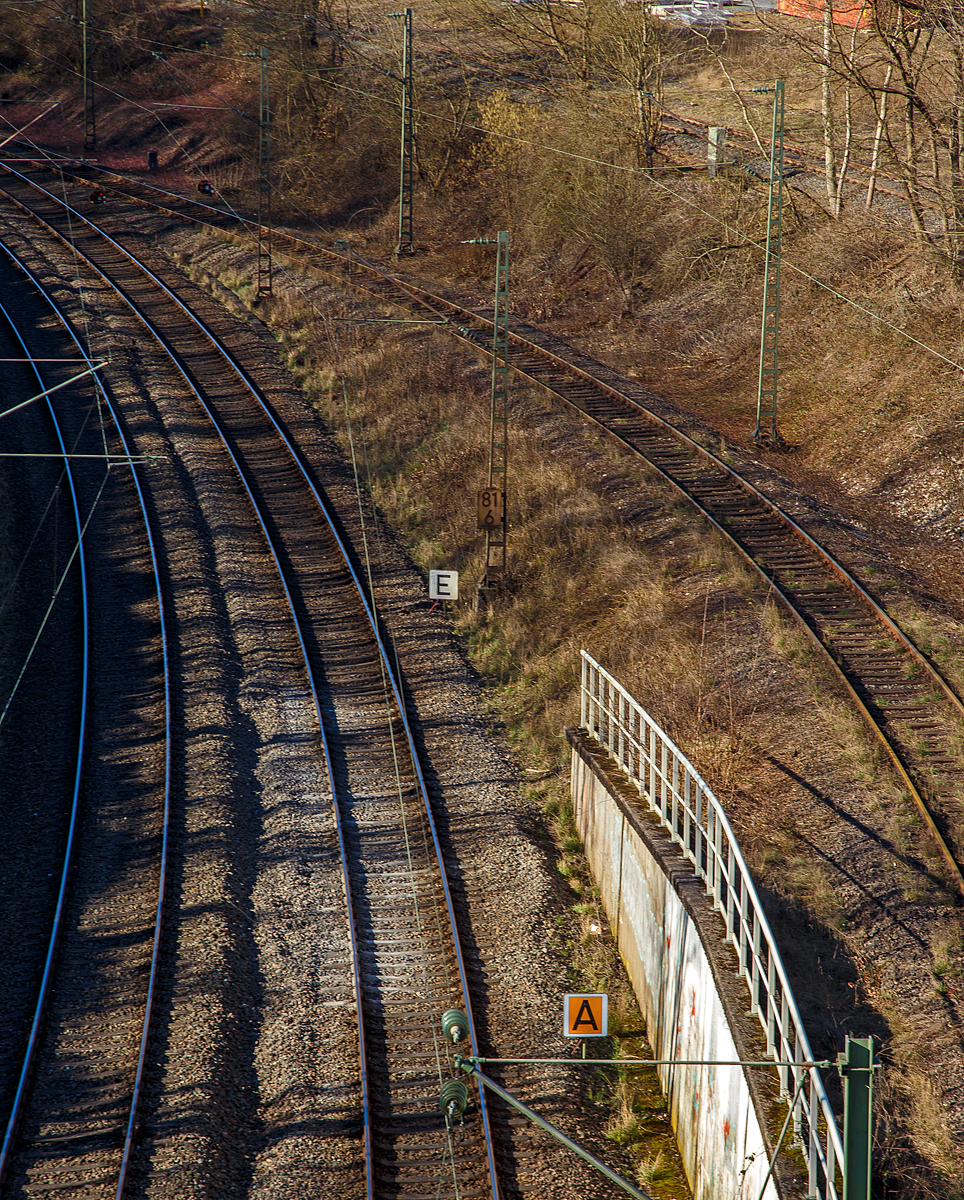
(406, 244)
(766, 403)
(86, 54)
(856, 1065)
(496, 540)
(264, 179)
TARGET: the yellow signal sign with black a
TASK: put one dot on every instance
(585, 1015)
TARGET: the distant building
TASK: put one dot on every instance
(845, 12)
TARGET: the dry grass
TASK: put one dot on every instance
(665, 604)
(655, 277)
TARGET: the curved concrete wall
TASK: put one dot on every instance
(677, 960)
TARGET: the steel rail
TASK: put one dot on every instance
(9, 1139)
(316, 699)
(438, 304)
(367, 605)
(799, 614)
(428, 301)
(165, 658)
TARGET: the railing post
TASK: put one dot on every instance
(663, 778)
(813, 1144)
(688, 819)
(718, 865)
(731, 935)
(755, 969)
(742, 939)
(583, 698)
(798, 1110)
(773, 1017)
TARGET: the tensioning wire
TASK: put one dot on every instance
(63, 183)
(150, 111)
(4, 600)
(53, 599)
(230, 210)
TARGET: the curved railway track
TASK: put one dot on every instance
(913, 711)
(92, 1015)
(408, 965)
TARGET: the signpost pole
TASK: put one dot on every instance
(264, 179)
(90, 117)
(406, 242)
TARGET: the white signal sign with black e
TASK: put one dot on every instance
(490, 509)
(443, 585)
(585, 1015)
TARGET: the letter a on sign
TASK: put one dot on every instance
(585, 1015)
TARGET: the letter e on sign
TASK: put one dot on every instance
(443, 585)
(585, 1015)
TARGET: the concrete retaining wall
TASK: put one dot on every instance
(686, 982)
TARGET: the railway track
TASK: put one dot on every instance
(86, 1045)
(913, 711)
(407, 962)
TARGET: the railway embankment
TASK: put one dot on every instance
(604, 557)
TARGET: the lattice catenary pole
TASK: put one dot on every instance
(495, 539)
(766, 403)
(406, 244)
(264, 179)
(86, 55)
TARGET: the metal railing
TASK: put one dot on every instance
(694, 819)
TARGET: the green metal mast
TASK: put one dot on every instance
(856, 1065)
(406, 244)
(264, 179)
(495, 539)
(492, 499)
(86, 54)
(766, 403)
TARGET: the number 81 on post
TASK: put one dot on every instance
(490, 509)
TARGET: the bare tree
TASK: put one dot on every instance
(636, 48)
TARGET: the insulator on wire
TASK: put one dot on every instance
(454, 1097)
(455, 1025)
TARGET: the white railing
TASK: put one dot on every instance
(692, 816)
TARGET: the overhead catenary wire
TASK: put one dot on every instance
(732, 230)
(353, 458)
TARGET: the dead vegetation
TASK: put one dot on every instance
(603, 559)
(655, 270)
